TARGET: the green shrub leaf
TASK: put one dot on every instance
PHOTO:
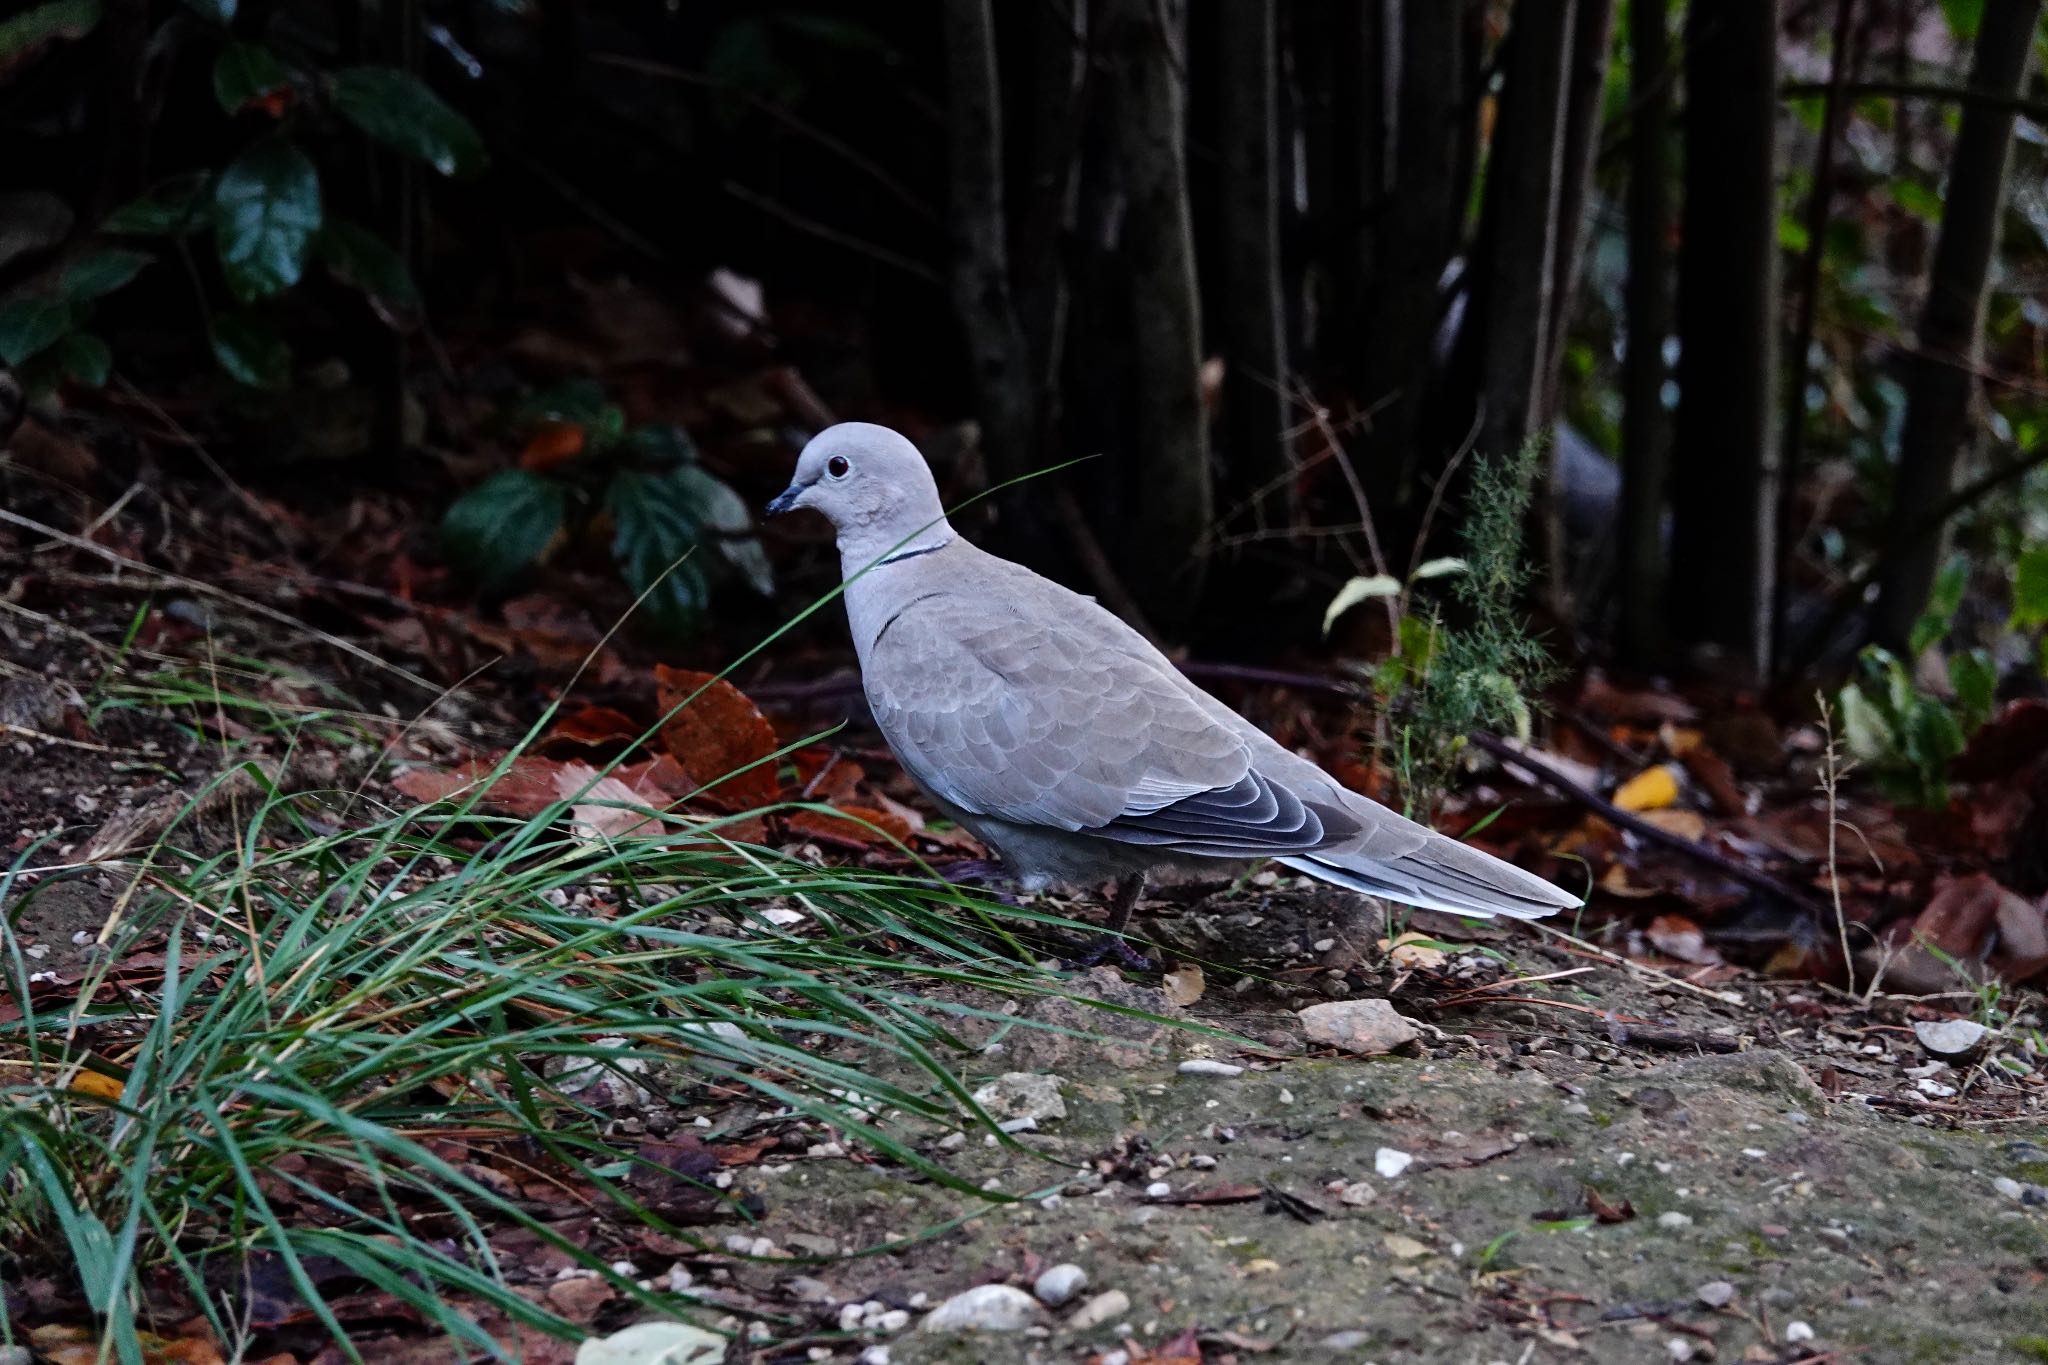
(30, 324)
(266, 211)
(501, 526)
(246, 72)
(176, 207)
(398, 111)
(44, 23)
(1933, 626)
(98, 273)
(654, 529)
(2030, 589)
(250, 350)
(730, 522)
(84, 357)
(361, 258)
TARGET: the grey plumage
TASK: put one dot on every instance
(1069, 744)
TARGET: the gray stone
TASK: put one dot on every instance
(1368, 1028)
(1022, 1095)
(985, 1308)
(1715, 1293)
(1057, 1287)
(1104, 1308)
(1952, 1040)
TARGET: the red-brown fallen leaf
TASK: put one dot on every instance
(716, 735)
(1960, 913)
(580, 1297)
(606, 806)
(1676, 936)
(525, 789)
(844, 826)
(1184, 1349)
(1606, 1212)
(1715, 777)
(551, 444)
(2022, 951)
(2010, 741)
(744, 1153)
(593, 727)
(834, 783)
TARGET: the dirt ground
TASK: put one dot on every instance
(1579, 1158)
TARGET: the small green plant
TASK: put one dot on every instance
(583, 462)
(1443, 681)
(264, 211)
(1903, 734)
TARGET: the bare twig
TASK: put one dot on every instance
(1831, 772)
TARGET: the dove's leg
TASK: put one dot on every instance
(1128, 889)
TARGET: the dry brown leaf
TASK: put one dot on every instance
(717, 735)
(1184, 984)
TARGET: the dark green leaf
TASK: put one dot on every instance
(2030, 589)
(84, 357)
(397, 110)
(724, 514)
(250, 351)
(1963, 17)
(220, 11)
(1940, 613)
(1932, 737)
(99, 273)
(175, 207)
(266, 210)
(31, 323)
(1975, 680)
(654, 533)
(501, 526)
(361, 258)
(245, 72)
(44, 23)
(1915, 198)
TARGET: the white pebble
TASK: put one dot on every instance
(1059, 1284)
(1798, 1331)
(1158, 1189)
(1202, 1066)
(1674, 1219)
(1390, 1162)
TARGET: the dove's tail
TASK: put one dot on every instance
(1442, 875)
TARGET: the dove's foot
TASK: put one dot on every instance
(988, 876)
(1108, 946)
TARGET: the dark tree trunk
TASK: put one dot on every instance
(1340, 49)
(1940, 374)
(1725, 466)
(1419, 232)
(1054, 41)
(1645, 433)
(1004, 392)
(1518, 256)
(1168, 472)
(1250, 325)
(1592, 37)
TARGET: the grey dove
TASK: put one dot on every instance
(1069, 745)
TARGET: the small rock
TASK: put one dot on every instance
(646, 1343)
(1403, 1246)
(1350, 1340)
(1366, 1027)
(1357, 1194)
(1674, 1220)
(1023, 1095)
(1679, 1348)
(875, 1355)
(1798, 1331)
(1390, 1162)
(14, 1355)
(985, 1308)
(1715, 1293)
(1158, 1189)
(1058, 1285)
(1202, 1066)
(1952, 1040)
(2007, 1186)
(1104, 1308)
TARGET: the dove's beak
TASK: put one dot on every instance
(784, 501)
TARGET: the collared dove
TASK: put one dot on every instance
(1066, 742)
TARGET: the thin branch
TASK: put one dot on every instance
(1919, 90)
(827, 233)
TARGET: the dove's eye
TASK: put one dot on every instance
(838, 467)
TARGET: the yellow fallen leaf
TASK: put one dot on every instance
(93, 1083)
(1686, 824)
(1417, 952)
(1650, 789)
(1407, 1248)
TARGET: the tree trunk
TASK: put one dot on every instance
(1592, 37)
(1418, 233)
(1645, 433)
(1004, 391)
(1168, 474)
(1725, 470)
(1940, 374)
(1055, 41)
(1340, 50)
(1250, 329)
(1518, 255)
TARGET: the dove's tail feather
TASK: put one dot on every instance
(1445, 875)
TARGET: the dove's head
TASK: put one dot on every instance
(872, 485)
